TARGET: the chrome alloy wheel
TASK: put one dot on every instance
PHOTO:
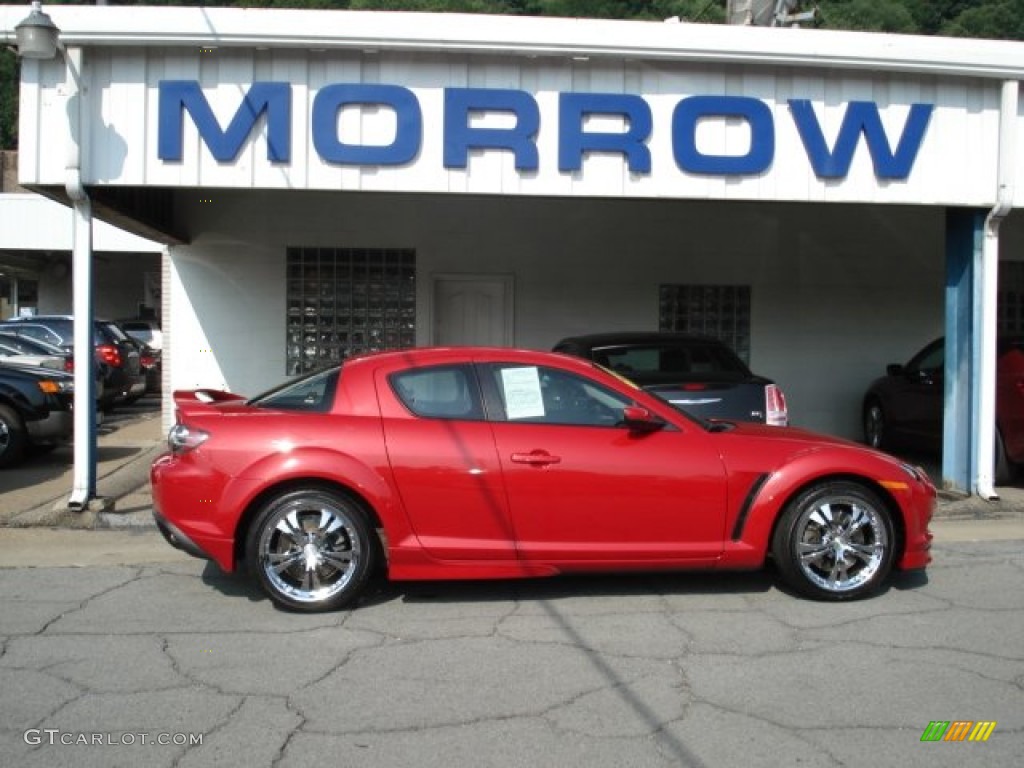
(310, 549)
(841, 543)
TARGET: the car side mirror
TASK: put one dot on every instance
(638, 419)
(894, 369)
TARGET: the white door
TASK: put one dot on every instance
(472, 310)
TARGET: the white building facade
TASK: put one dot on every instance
(330, 182)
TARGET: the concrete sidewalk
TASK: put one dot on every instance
(35, 494)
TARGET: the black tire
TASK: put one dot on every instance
(835, 541)
(13, 437)
(312, 550)
(875, 426)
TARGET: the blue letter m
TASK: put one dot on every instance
(180, 96)
(861, 117)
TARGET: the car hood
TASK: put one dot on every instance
(776, 446)
(33, 371)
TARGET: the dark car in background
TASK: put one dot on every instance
(124, 379)
(699, 375)
(24, 351)
(35, 410)
(905, 408)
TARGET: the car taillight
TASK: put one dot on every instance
(776, 413)
(182, 438)
(109, 354)
(147, 360)
(69, 365)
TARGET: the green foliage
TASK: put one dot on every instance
(998, 20)
(8, 99)
(868, 15)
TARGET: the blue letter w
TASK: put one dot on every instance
(861, 117)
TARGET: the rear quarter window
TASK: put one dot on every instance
(314, 393)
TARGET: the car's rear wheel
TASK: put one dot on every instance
(835, 541)
(311, 550)
(874, 425)
(13, 439)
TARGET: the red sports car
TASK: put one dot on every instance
(471, 463)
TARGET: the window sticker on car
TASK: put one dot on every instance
(522, 393)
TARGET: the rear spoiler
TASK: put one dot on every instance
(199, 400)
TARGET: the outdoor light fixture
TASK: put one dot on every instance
(37, 34)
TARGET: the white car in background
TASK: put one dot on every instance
(146, 331)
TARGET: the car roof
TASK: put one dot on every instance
(638, 337)
(424, 356)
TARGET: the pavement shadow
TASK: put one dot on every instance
(51, 467)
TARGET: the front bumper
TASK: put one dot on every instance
(921, 508)
(58, 426)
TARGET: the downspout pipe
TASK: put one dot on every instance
(986, 407)
(84, 475)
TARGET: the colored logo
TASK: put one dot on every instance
(958, 730)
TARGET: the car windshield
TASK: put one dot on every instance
(114, 331)
(671, 360)
(312, 392)
(27, 346)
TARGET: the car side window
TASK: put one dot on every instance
(313, 392)
(39, 332)
(442, 392)
(931, 360)
(539, 395)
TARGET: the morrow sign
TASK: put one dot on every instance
(892, 157)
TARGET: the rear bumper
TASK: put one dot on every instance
(186, 518)
(177, 538)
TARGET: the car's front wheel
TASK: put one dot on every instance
(312, 550)
(874, 425)
(835, 541)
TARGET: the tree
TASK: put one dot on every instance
(8, 100)
(868, 15)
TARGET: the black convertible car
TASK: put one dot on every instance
(697, 374)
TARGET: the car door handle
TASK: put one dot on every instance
(537, 458)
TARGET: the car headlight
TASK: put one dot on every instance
(55, 387)
(915, 472)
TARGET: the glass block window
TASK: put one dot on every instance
(345, 301)
(719, 311)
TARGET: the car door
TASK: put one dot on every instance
(917, 396)
(444, 462)
(583, 488)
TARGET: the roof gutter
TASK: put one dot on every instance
(986, 406)
(83, 489)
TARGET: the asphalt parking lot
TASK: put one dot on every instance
(111, 640)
